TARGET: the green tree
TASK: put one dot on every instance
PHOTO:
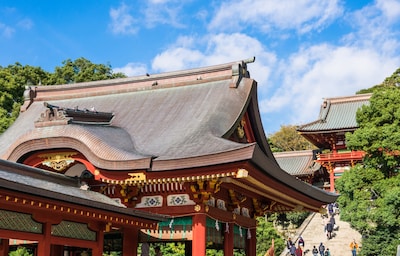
(170, 249)
(288, 139)
(370, 202)
(15, 78)
(82, 70)
(378, 134)
(265, 233)
(21, 251)
(370, 193)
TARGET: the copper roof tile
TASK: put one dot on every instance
(337, 114)
(297, 163)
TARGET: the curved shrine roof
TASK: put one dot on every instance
(337, 114)
(160, 122)
(171, 120)
(297, 163)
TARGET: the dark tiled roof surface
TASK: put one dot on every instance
(337, 114)
(37, 182)
(50, 182)
(297, 163)
(156, 122)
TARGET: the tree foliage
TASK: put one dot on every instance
(370, 193)
(265, 233)
(82, 70)
(288, 139)
(378, 134)
(21, 251)
(15, 78)
(370, 202)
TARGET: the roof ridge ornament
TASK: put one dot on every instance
(239, 70)
(325, 107)
(55, 115)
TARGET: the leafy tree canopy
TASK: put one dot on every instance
(288, 139)
(14, 78)
(370, 193)
(265, 233)
(378, 134)
(370, 202)
(21, 251)
(82, 70)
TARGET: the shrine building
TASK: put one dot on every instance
(302, 164)
(51, 214)
(336, 118)
(178, 156)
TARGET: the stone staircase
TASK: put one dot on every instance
(312, 231)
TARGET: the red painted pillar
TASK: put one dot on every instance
(130, 241)
(228, 240)
(4, 245)
(98, 250)
(251, 243)
(332, 180)
(44, 244)
(199, 235)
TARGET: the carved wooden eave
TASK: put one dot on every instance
(63, 210)
(62, 197)
(239, 183)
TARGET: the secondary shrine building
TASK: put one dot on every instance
(178, 156)
(336, 118)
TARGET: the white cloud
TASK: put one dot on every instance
(6, 31)
(376, 25)
(121, 21)
(177, 59)
(324, 71)
(302, 16)
(219, 48)
(291, 88)
(390, 9)
(163, 12)
(132, 69)
(364, 58)
(148, 14)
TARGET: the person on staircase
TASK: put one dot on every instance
(329, 229)
(289, 243)
(299, 251)
(293, 250)
(301, 242)
(321, 249)
(354, 247)
(314, 251)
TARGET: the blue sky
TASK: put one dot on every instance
(305, 50)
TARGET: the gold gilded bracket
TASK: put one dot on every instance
(136, 176)
(58, 161)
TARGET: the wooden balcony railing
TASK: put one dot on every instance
(350, 156)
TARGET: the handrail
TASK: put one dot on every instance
(337, 156)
